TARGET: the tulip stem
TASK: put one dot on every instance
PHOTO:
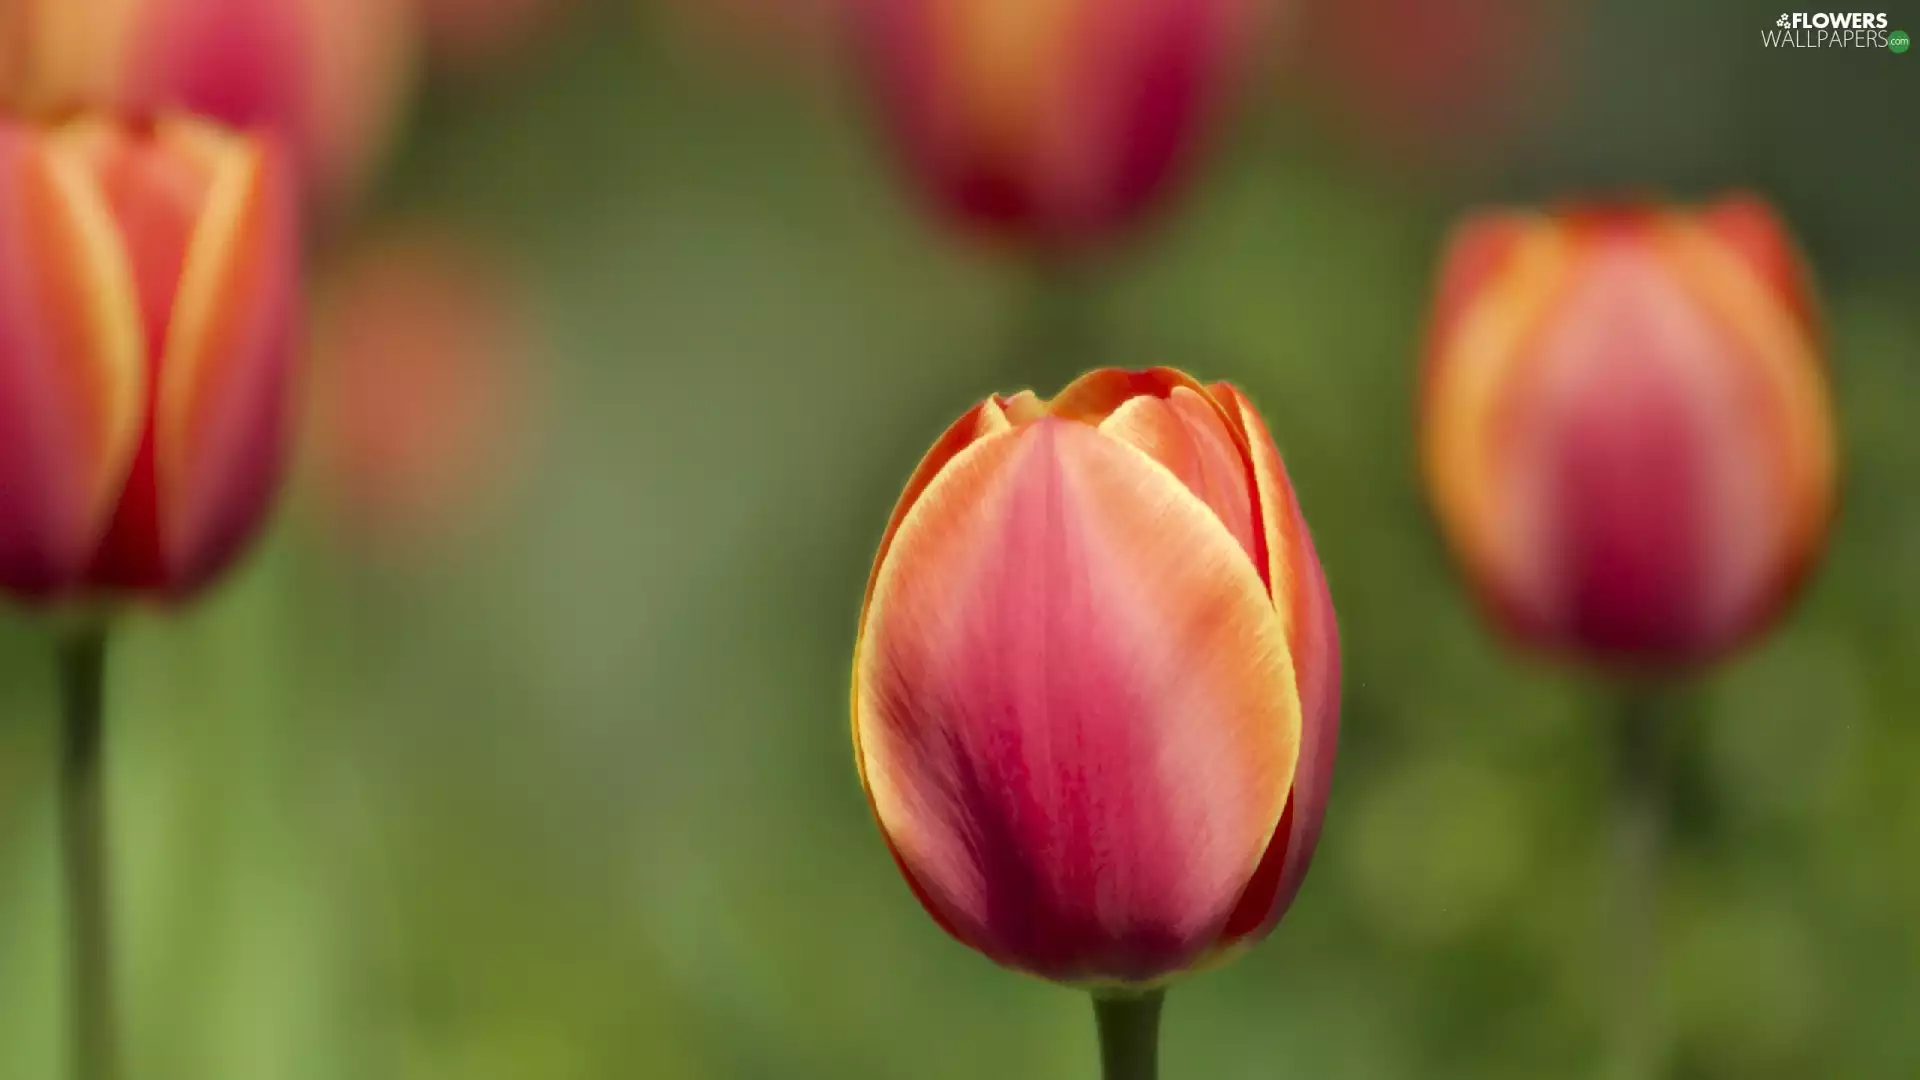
(1129, 1034)
(1058, 335)
(82, 672)
(1640, 800)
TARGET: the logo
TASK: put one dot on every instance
(1827, 29)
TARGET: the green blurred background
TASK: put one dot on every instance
(567, 794)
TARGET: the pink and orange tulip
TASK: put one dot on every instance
(1627, 426)
(149, 293)
(1049, 123)
(1097, 680)
(328, 76)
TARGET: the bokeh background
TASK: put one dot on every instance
(519, 751)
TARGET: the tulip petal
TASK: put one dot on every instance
(1313, 638)
(1076, 707)
(1647, 467)
(1023, 407)
(73, 382)
(1754, 237)
(222, 406)
(246, 65)
(1185, 432)
(1093, 397)
(1097, 396)
(1469, 408)
(1478, 253)
(1752, 279)
(981, 421)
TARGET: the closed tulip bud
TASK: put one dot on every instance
(148, 300)
(326, 75)
(1050, 123)
(1627, 428)
(1096, 686)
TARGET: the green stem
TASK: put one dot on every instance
(1640, 826)
(1057, 337)
(1129, 1035)
(83, 827)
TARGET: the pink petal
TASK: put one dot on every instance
(1185, 432)
(72, 377)
(220, 421)
(1645, 468)
(1313, 638)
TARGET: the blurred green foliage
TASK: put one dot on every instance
(572, 798)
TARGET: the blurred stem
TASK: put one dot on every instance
(1129, 1034)
(82, 670)
(1640, 824)
(1058, 335)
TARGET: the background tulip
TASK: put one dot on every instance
(1097, 681)
(1052, 123)
(1627, 428)
(1474, 72)
(1629, 441)
(427, 357)
(148, 300)
(329, 76)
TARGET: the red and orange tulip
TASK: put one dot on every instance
(1627, 426)
(149, 293)
(326, 75)
(1050, 123)
(1096, 687)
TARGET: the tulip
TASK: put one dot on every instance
(149, 288)
(1050, 123)
(1096, 685)
(422, 383)
(326, 75)
(1476, 66)
(1627, 426)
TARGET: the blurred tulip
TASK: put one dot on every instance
(1096, 688)
(1052, 123)
(149, 300)
(480, 33)
(1439, 80)
(421, 380)
(329, 76)
(1627, 427)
